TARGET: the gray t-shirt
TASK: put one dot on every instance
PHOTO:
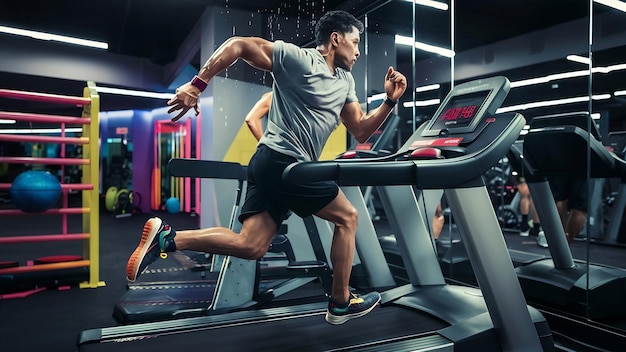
(306, 103)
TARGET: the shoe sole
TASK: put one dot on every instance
(338, 320)
(147, 236)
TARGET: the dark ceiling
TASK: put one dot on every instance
(154, 29)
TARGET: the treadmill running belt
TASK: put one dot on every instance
(300, 333)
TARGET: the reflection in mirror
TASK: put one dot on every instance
(606, 238)
(419, 33)
(532, 54)
(546, 60)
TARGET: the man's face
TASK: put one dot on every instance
(347, 49)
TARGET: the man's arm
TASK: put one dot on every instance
(362, 125)
(254, 117)
(257, 52)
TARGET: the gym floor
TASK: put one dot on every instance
(51, 320)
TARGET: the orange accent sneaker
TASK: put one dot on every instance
(157, 239)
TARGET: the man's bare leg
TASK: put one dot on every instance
(157, 238)
(344, 216)
(252, 242)
(342, 305)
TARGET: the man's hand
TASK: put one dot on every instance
(186, 98)
(395, 84)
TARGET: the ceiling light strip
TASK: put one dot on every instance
(54, 37)
(618, 5)
(421, 103)
(427, 88)
(579, 59)
(431, 3)
(403, 40)
(134, 93)
(546, 103)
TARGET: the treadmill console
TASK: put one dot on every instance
(465, 106)
(463, 115)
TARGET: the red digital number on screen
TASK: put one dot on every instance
(464, 112)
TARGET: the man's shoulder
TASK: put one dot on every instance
(290, 47)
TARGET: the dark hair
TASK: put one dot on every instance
(335, 21)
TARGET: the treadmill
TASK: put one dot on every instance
(452, 151)
(557, 145)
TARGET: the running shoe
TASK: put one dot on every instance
(541, 239)
(358, 306)
(157, 239)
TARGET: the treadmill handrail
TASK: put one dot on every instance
(608, 160)
(425, 174)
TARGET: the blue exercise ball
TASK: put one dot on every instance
(172, 205)
(35, 191)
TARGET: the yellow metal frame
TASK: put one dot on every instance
(91, 175)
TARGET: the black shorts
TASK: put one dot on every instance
(573, 190)
(266, 190)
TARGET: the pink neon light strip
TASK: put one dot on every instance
(198, 156)
(42, 139)
(65, 194)
(64, 187)
(187, 154)
(44, 97)
(44, 238)
(46, 161)
(22, 116)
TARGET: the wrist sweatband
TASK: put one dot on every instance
(390, 102)
(198, 83)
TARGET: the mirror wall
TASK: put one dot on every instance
(546, 59)
(606, 239)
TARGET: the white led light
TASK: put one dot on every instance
(403, 40)
(579, 59)
(54, 37)
(134, 93)
(616, 4)
(429, 102)
(545, 103)
(427, 88)
(431, 3)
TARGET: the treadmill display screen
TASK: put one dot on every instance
(460, 110)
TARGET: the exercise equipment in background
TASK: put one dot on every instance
(172, 140)
(172, 205)
(40, 191)
(122, 202)
(35, 191)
